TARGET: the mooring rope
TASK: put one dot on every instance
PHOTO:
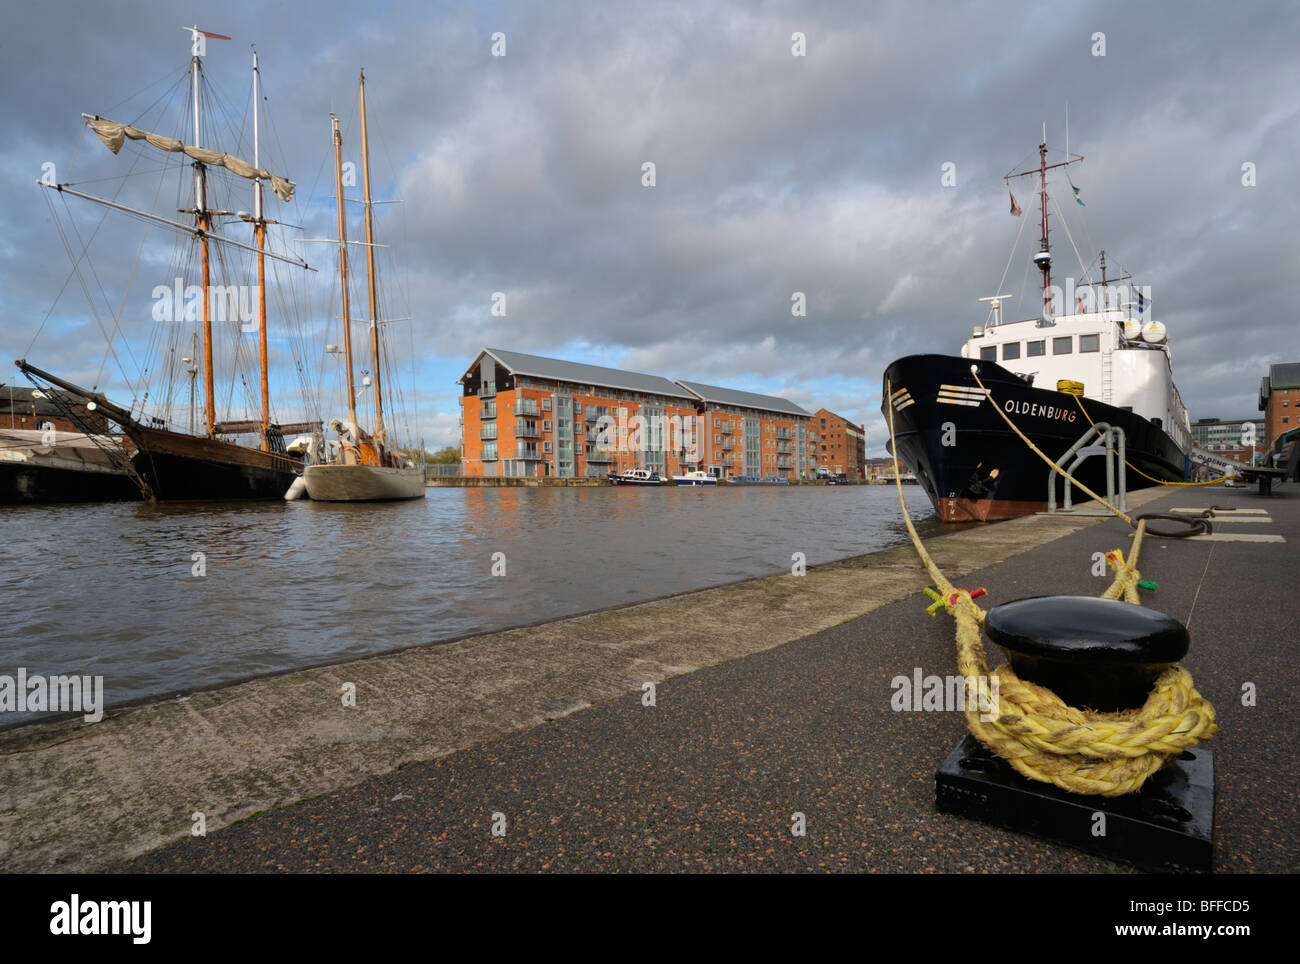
(1081, 751)
(1223, 478)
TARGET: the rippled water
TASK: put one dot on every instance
(108, 589)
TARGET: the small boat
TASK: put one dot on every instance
(366, 469)
(40, 466)
(695, 477)
(637, 477)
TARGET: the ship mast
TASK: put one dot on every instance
(1044, 257)
(370, 272)
(201, 217)
(343, 276)
(259, 236)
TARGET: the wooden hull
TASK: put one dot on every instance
(363, 483)
(185, 468)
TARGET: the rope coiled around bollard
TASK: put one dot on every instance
(1081, 751)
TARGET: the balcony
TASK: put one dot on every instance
(487, 390)
(527, 406)
(528, 450)
(723, 428)
(488, 432)
(527, 430)
(726, 445)
(600, 455)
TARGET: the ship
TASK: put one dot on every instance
(1054, 376)
(171, 465)
(46, 456)
(366, 468)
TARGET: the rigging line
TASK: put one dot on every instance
(1188, 621)
(1061, 218)
(126, 290)
(178, 78)
(1015, 247)
(76, 267)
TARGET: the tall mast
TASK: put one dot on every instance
(1044, 257)
(201, 215)
(259, 236)
(343, 275)
(370, 273)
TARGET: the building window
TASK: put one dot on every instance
(546, 425)
(1062, 346)
(1011, 351)
(1035, 348)
(546, 404)
(1088, 343)
(988, 354)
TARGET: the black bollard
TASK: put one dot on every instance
(1103, 655)
(1099, 654)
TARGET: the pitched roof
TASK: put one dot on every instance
(1284, 376)
(730, 396)
(536, 366)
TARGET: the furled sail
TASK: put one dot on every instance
(114, 135)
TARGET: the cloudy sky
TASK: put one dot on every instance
(774, 174)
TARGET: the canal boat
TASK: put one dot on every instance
(365, 469)
(695, 477)
(45, 456)
(637, 477)
(1053, 376)
(173, 465)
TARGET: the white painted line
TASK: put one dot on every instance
(1238, 520)
(1235, 537)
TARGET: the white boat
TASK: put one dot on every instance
(637, 477)
(695, 477)
(364, 468)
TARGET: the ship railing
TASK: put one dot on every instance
(1100, 439)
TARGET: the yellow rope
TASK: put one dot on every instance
(1223, 478)
(1080, 751)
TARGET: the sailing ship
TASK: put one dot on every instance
(366, 469)
(1054, 376)
(172, 465)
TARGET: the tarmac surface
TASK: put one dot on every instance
(711, 776)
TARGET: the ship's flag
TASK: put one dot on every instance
(1015, 208)
(1077, 200)
(1142, 302)
(1080, 300)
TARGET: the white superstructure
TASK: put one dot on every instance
(1119, 361)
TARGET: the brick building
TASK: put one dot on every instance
(1279, 400)
(1230, 438)
(526, 415)
(841, 445)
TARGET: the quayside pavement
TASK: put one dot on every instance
(772, 697)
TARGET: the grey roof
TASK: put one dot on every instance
(535, 366)
(730, 396)
(1284, 376)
